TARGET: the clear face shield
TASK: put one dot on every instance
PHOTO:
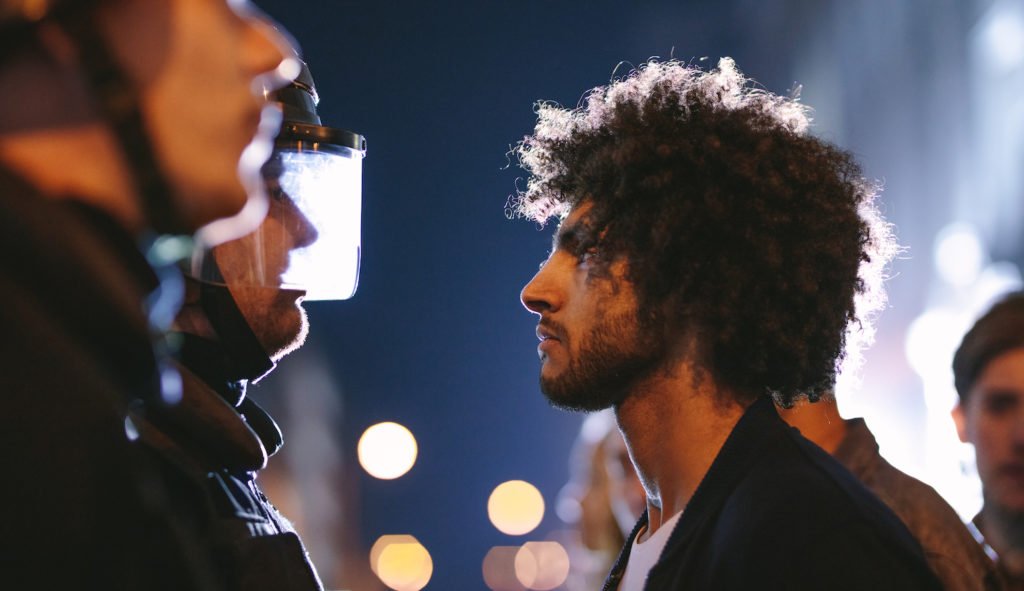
(310, 239)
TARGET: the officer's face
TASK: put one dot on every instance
(252, 267)
(196, 62)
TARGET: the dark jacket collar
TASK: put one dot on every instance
(206, 433)
(759, 423)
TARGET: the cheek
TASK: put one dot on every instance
(236, 262)
(991, 440)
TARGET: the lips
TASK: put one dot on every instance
(549, 337)
(545, 333)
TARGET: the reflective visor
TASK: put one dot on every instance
(324, 189)
(310, 239)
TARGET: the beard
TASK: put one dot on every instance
(615, 354)
(275, 316)
(286, 327)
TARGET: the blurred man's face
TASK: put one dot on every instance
(993, 420)
(591, 346)
(252, 267)
(195, 63)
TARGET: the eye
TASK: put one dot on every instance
(588, 255)
(998, 403)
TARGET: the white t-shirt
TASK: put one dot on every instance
(644, 555)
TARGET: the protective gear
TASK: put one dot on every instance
(310, 240)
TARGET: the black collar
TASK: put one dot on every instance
(759, 423)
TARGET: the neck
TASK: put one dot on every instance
(674, 426)
(81, 163)
(1004, 531)
(818, 421)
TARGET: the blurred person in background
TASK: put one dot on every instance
(125, 127)
(706, 266)
(625, 491)
(949, 547)
(589, 492)
(988, 370)
(610, 498)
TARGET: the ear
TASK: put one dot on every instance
(960, 420)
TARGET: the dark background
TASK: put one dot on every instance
(436, 338)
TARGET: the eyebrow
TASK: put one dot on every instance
(1001, 393)
(567, 237)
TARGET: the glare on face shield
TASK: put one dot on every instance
(326, 188)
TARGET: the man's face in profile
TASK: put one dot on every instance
(252, 267)
(992, 418)
(591, 346)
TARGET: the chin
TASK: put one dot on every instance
(570, 396)
(292, 334)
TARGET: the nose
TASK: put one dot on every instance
(271, 54)
(538, 296)
(302, 230)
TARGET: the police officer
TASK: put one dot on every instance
(243, 313)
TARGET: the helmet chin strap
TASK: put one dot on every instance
(247, 357)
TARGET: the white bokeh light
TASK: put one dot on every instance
(542, 566)
(1002, 32)
(515, 507)
(959, 254)
(387, 450)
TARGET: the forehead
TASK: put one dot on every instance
(572, 224)
(1003, 374)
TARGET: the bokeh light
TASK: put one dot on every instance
(959, 254)
(542, 566)
(401, 562)
(387, 450)
(1002, 34)
(515, 507)
(500, 569)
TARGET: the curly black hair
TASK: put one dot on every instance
(759, 241)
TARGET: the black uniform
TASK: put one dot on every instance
(99, 490)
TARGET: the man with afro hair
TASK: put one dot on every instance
(710, 260)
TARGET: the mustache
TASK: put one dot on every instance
(554, 328)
